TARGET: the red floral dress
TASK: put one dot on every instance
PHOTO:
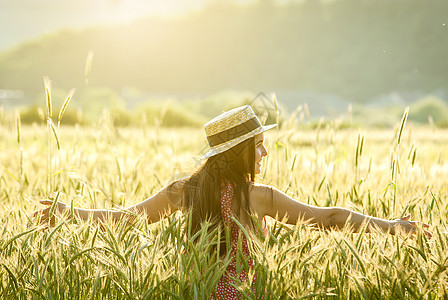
(225, 289)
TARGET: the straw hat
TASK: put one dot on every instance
(231, 128)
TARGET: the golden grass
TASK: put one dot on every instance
(106, 167)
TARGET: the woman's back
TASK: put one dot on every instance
(239, 248)
(260, 197)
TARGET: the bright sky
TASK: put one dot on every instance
(25, 19)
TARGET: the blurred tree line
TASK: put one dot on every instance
(354, 49)
(429, 110)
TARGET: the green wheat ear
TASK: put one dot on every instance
(18, 127)
(403, 122)
(47, 84)
(65, 105)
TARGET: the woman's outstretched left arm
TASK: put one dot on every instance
(274, 203)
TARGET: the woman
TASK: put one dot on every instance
(223, 191)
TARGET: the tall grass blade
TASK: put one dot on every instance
(403, 122)
(55, 133)
(414, 155)
(307, 110)
(274, 97)
(88, 68)
(18, 127)
(47, 84)
(15, 238)
(53, 206)
(65, 105)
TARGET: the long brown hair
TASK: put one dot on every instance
(202, 190)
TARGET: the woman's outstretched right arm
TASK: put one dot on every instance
(156, 207)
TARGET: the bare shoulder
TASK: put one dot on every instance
(260, 190)
(261, 197)
(174, 192)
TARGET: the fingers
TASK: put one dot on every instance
(415, 223)
(406, 218)
(40, 212)
(37, 214)
(46, 202)
(426, 233)
(412, 227)
(42, 216)
(39, 218)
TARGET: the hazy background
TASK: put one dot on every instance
(189, 60)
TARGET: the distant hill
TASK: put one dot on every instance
(351, 50)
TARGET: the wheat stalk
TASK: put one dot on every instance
(47, 84)
(403, 122)
(18, 128)
(88, 67)
(307, 110)
(55, 133)
(274, 97)
(65, 105)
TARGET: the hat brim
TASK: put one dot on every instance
(232, 143)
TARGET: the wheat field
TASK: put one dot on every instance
(383, 173)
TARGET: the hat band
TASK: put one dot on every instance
(234, 132)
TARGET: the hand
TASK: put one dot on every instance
(44, 214)
(409, 227)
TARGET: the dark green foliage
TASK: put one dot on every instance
(348, 48)
(32, 115)
(171, 114)
(430, 107)
(121, 117)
